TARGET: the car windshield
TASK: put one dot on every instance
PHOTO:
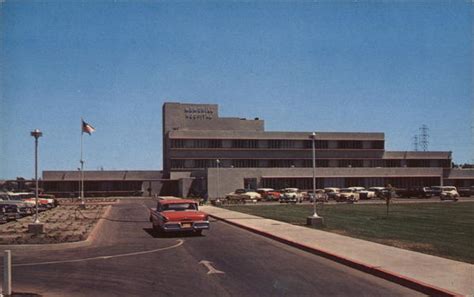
(179, 206)
(449, 188)
(346, 190)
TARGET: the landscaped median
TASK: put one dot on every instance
(441, 229)
(64, 223)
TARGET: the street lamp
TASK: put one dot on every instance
(314, 220)
(217, 179)
(36, 134)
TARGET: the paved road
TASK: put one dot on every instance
(128, 260)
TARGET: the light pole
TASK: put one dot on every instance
(36, 134)
(79, 184)
(313, 136)
(217, 179)
(314, 220)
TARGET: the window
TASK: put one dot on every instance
(177, 163)
(281, 163)
(201, 163)
(319, 163)
(377, 145)
(376, 163)
(178, 207)
(318, 144)
(245, 163)
(244, 143)
(215, 143)
(276, 144)
(393, 163)
(177, 143)
(418, 163)
(349, 144)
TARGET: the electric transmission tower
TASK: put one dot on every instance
(424, 137)
(415, 143)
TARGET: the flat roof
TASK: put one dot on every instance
(417, 155)
(103, 175)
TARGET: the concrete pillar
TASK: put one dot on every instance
(7, 273)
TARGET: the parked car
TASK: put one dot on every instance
(448, 193)
(269, 194)
(243, 194)
(291, 195)
(364, 193)
(10, 211)
(357, 189)
(332, 193)
(380, 192)
(24, 208)
(178, 215)
(321, 196)
(348, 195)
(43, 204)
(52, 201)
(418, 192)
(466, 191)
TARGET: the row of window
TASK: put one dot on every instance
(288, 163)
(275, 144)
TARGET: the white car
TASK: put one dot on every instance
(244, 194)
(291, 195)
(449, 193)
(379, 192)
(332, 193)
(348, 195)
(363, 193)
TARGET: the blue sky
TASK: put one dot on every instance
(302, 66)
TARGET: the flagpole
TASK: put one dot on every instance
(82, 165)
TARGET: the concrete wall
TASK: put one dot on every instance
(152, 188)
(185, 186)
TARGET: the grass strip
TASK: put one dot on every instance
(441, 229)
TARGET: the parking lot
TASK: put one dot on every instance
(369, 201)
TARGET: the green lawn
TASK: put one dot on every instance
(442, 229)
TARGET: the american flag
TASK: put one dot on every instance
(87, 128)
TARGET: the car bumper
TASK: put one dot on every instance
(186, 226)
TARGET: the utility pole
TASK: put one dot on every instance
(415, 143)
(424, 137)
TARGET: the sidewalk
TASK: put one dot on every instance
(430, 274)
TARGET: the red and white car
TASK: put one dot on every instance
(269, 194)
(178, 215)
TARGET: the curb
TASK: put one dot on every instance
(373, 270)
(90, 237)
(93, 234)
